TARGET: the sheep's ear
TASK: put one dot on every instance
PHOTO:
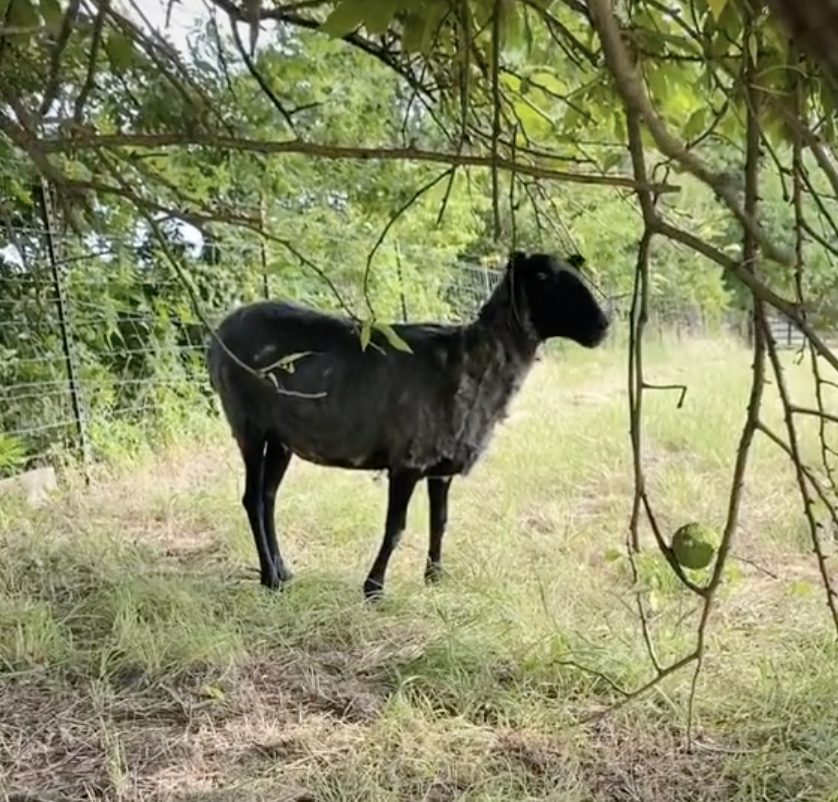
(576, 260)
(516, 259)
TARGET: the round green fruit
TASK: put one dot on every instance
(694, 545)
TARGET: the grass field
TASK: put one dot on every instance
(140, 659)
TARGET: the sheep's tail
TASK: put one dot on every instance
(213, 357)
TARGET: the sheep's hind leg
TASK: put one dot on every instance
(275, 464)
(438, 487)
(253, 453)
(400, 489)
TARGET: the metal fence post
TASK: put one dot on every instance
(66, 336)
(263, 255)
(401, 283)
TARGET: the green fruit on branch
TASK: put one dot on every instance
(694, 545)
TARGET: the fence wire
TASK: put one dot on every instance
(101, 348)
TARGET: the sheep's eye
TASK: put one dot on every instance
(541, 275)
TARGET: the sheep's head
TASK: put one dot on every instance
(558, 301)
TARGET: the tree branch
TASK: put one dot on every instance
(83, 140)
(630, 87)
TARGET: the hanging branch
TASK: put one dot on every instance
(53, 83)
(268, 373)
(799, 181)
(85, 141)
(750, 262)
(259, 78)
(90, 78)
(751, 425)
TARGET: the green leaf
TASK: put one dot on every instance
(657, 80)
(515, 29)
(23, 14)
(421, 26)
(120, 50)
(619, 127)
(379, 14)
(346, 16)
(612, 158)
(753, 48)
(532, 119)
(612, 555)
(717, 7)
(53, 16)
(551, 82)
(695, 124)
(719, 46)
(393, 338)
(413, 36)
(366, 334)
(21, 193)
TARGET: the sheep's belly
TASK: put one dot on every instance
(433, 451)
(382, 461)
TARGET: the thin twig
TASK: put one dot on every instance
(636, 384)
(628, 84)
(390, 223)
(681, 388)
(258, 77)
(90, 78)
(750, 256)
(496, 103)
(53, 83)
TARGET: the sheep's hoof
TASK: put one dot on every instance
(373, 590)
(276, 581)
(435, 573)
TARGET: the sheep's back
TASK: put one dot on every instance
(373, 409)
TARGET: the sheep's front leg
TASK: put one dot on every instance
(438, 487)
(400, 489)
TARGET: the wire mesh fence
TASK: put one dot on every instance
(102, 344)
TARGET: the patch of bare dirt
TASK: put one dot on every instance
(330, 685)
(629, 766)
(181, 739)
(541, 759)
(84, 743)
(616, 765)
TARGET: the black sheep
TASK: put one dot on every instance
(427, 414)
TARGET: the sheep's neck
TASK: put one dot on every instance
(505, 324)
(502, 344)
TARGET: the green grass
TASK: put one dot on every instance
(139, 658)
